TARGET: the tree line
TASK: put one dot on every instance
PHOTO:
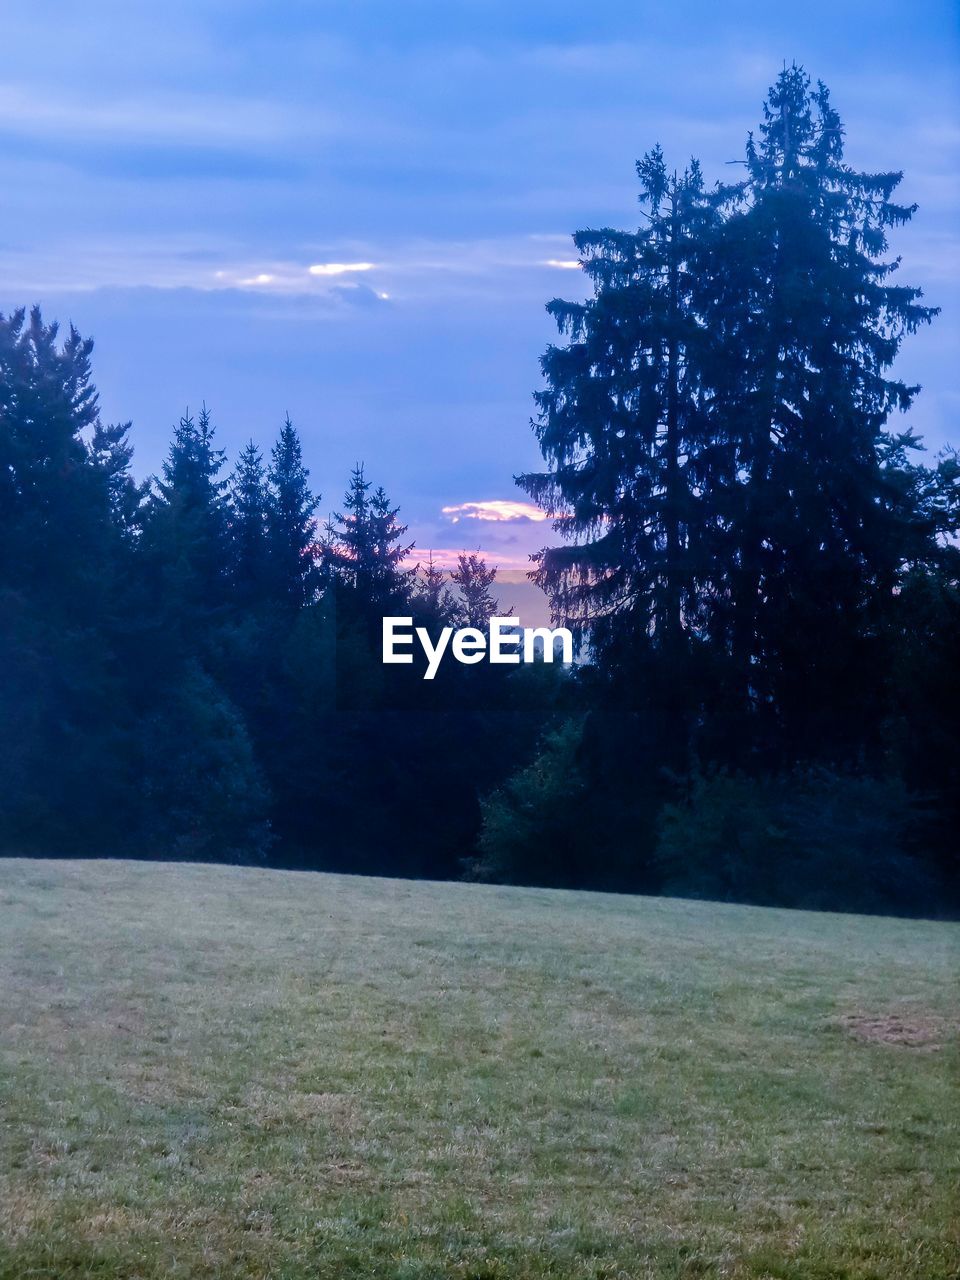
(762, 572)
(192, 664)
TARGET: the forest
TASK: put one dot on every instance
(757, 557)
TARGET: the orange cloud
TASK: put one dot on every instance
(500, 510)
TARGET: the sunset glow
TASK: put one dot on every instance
(499, 510)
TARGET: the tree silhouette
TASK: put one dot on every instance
(291, 526)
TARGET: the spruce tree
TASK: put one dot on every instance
(64, 485)
(291, 528)
(715, 429)
(111, 453)
(807, 318)
(474, 579)
(433, 594)
(185, 541)
(365, 549)
(55, 516)
(248, 514)
(621, 424)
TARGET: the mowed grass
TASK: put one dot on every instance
(220, 1072)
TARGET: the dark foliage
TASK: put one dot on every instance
(775, 840)
(763, 575)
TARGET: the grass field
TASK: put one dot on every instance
(220, 1072)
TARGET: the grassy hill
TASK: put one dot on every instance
(219, 1072)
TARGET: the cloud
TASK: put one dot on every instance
(410, 270)
(280, 278)
(358, 295)
(339, 268)
(498, 510)
(565, 264)
(292, 278)
(513, 566)
(190, 119)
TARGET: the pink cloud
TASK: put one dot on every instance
(499, 510)
(446, 558)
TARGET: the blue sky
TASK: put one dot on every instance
(173, 172)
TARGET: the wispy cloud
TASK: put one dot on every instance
(339, 268)
(512, 565)
(326, 279)
(496, 510)
(188, 119)
(420, 269)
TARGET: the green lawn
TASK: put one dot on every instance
(221, 1072)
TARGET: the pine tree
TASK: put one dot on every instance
(63, 483)
(111, 453)
(54, 506)
(248, 514)
(390, 578)
(715, 430)
(365, 548)
(291, 527)
(808, 321)
(186, 526)
(433, 593)
(621, 425)
(477, 603)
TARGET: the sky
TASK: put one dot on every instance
(355, 212)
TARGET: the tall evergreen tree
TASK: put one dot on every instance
(55, 510)
(807, 320)
(63, 481)
(474, 579)
(716, 439)
(291, 528)
(186, 527)
(433, 593)
(111, 453)
(365, 548)
(248, 517)
(621, 424)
